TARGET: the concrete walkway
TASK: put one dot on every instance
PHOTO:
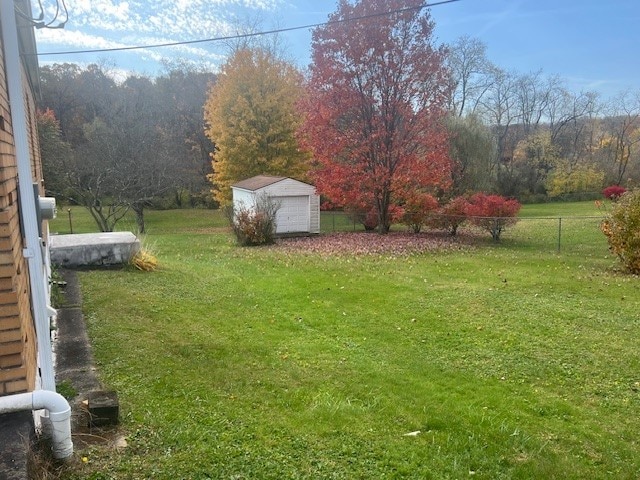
(74, 364)
(74, 359)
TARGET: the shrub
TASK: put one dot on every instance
(367, 218)
(622, 228)
(370, 220)
(254, 225)
(451, 215)
(492, 213)
(417, 211)
(613, 192)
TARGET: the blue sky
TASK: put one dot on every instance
(592, 45)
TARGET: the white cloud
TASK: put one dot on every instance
(75, 39)
(182, 19)
(105, 24)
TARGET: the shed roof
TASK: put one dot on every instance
(258, 182)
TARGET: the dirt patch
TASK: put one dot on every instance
(360, 243)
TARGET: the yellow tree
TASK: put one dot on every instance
(533, 158)
(567, 178)
(250, 115)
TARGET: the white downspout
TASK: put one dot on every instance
(33, 242)
(59, 415)
(57, 406)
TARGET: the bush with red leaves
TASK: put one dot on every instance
(613, 192)
(492, 213)
(451, 216)
(417, 210)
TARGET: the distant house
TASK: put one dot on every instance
(299, 210)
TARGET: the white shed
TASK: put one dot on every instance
(299, 210)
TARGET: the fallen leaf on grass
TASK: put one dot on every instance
(356, 243)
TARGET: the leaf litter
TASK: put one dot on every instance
(362, 243)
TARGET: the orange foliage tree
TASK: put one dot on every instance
(374, 110)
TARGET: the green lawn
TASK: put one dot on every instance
(511, 360)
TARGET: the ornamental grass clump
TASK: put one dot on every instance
(145, 260)
(622, 229)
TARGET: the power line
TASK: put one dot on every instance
(249, 35)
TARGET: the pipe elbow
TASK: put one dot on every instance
(59, 416)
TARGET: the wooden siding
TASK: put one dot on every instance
(18, 350)
(314, 214)
(284, 189)
(288, 188)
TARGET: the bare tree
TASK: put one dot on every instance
(472, 74)
(622, 124)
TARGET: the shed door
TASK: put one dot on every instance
(293, 215)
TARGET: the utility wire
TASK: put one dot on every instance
(253, 34)
(39, 22)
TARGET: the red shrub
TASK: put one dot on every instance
(613, 192)
(492, 213)
(451, 215)
(417, 211)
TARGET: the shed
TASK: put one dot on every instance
(299, 210)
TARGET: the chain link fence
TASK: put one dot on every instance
(572, 233)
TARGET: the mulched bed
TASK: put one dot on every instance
(361, 243)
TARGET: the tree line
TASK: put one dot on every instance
(118, 146)
(383, 120)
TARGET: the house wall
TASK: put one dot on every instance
(18, 355)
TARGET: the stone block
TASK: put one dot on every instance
(104, 408)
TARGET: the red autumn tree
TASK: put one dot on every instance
(374, 107)
(492, 213)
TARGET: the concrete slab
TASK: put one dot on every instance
(93, 249)
(17, 433)
(74, 363)
(74, 358)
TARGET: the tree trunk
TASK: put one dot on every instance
(139, 210)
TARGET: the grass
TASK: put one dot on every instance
(511, 360)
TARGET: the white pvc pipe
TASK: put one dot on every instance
(33, 242)
(59, 415)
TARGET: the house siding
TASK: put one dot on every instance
(18, 351)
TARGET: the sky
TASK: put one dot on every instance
(592, 45)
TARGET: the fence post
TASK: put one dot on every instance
(559, 232)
